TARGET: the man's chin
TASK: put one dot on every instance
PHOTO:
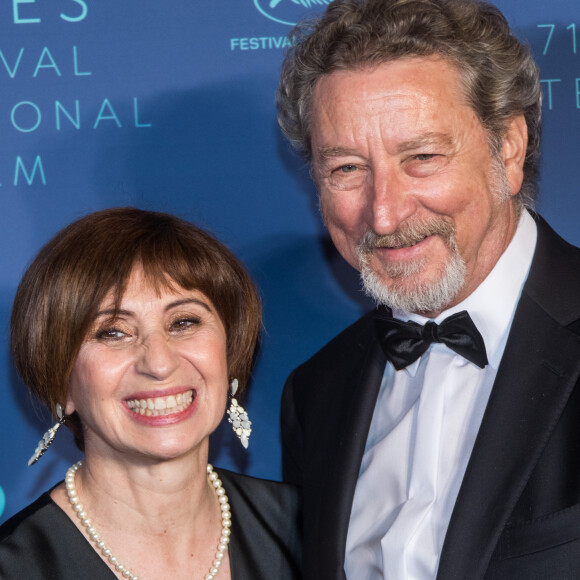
(411, 288)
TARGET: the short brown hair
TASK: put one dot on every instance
(59, 295)
(500, 78)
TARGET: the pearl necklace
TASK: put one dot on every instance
(123, 570)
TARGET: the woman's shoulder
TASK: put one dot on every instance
(24, 536)
(42, 542)
(267, 498)
(247, 484)
(31, 518)
(266, 527)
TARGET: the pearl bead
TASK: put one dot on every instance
(123, 570)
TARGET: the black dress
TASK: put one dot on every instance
(42, 543)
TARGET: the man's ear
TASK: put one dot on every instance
(513, 152)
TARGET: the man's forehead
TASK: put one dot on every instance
(393, 79)
(406, 104)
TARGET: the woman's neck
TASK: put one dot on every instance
(158, 490)
(161, 519)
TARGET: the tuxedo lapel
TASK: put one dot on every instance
(523, 409)
(357, 412)
(538, 371)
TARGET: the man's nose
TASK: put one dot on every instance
(390, 200)
(157, 357)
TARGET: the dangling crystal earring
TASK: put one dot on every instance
(48, 437)
(241, 425)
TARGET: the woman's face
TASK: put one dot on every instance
(151, 382)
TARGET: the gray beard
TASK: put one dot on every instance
(420, 297)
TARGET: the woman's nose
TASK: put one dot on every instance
(157, 356)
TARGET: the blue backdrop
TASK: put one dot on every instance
(170, 106)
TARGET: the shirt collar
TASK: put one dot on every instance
(493, 303)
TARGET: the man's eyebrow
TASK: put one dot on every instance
(325, 153)
(431, 138)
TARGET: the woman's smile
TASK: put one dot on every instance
(170, 405)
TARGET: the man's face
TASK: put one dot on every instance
(409, 190)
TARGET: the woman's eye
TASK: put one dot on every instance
(110, 334)
(185, 323)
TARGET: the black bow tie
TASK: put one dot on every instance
(404, 342)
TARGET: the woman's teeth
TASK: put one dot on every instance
(161, 405)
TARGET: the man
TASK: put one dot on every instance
(448, 447)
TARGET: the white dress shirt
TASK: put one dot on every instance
(422, 433)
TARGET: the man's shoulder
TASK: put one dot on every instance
(550, 241)
(344, 349)
(554, 278)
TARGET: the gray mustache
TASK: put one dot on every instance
(408, 234)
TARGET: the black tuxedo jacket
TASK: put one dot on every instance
(517, 515)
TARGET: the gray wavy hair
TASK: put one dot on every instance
(499, 76)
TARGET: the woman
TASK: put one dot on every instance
(132, 326)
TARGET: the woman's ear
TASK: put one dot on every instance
(69, 408)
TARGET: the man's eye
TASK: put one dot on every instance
(424, 156)
(347, 168)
